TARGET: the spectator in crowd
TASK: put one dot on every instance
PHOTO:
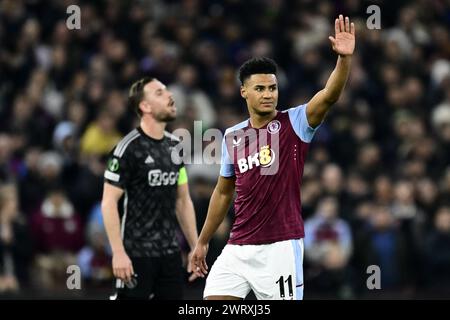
(15, 243)
(100, 136)
(187, 94)
(95, 257)
(383, 244)
(58, 235)
(437, 253)
(42, 173)
(328, 246)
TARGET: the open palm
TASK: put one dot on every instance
(344, 41)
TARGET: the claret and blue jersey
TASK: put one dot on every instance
(267, 164)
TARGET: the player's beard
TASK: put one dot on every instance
(166, 117)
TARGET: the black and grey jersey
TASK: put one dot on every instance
(143, 168)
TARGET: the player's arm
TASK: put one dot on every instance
(218, 208)
(186, 215)
(343, 44)
(122, 266)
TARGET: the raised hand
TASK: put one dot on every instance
(343, 42)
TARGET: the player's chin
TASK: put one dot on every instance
(170, 116)
(262, 111)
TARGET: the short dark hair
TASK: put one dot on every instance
(255, 66)
(136, 94)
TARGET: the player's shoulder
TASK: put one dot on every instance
(125, 143)
(239, 126)
(295, 109)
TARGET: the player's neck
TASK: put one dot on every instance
(152, 128)
(259, 121)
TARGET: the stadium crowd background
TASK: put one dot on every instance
(376, 187)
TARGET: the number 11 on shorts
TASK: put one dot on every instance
(281, 282)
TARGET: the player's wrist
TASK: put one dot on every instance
(202, 242)
(192, 246)
(118, 251)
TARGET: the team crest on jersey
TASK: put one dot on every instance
(274, 126)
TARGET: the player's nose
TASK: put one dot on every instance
(267, 94)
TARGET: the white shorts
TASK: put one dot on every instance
(273, 271)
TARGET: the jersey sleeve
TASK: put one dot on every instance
(226, 164)
(118, 170)
(299, 121)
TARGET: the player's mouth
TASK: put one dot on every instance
(266, 104)
(172, 104)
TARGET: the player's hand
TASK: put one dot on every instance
(194, 275)
(344, 41)
(122, 266)
(197, 263)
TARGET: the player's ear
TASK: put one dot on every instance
(145, 107)
(243, 92)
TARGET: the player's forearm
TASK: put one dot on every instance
(112, 225)
(338, 78)
(186, 218)
(218, 208)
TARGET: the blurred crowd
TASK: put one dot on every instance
(376, 187)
